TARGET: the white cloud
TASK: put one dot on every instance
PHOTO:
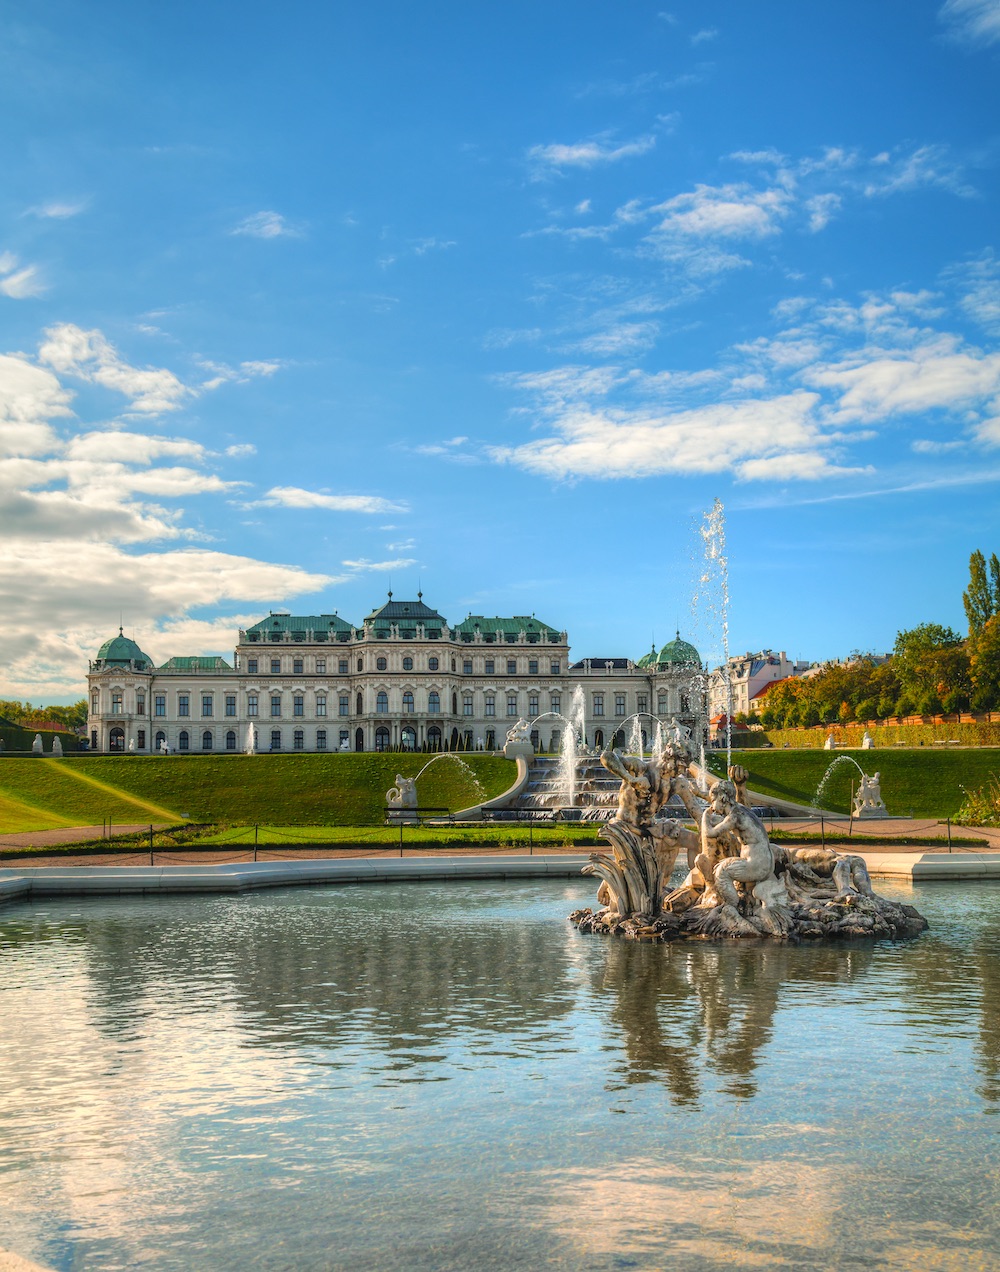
(926, 166)
(588, 154)
(821, 209)
(621, 339)
(978, 282)
(704, 35)
(60, 209)
(90, 356)
(422, 246)
(974, 21)
(295, 497)
(241, 450)
(731, 211)
(266, 225)
(363, 565)
(23, 283)
(131, 448)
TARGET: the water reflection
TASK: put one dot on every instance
(452, 1076)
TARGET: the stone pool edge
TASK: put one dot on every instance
(48, 881)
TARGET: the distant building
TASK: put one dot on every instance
(403, 678)
(748, 674)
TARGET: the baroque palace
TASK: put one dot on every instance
(403, 679)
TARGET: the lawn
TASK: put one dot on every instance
(922, 781)
(275, 790)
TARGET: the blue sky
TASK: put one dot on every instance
(301, 303)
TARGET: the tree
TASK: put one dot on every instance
(982, 597)
(985, 667)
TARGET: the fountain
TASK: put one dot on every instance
(866, 803)
(250, 746)
(572, 741)
(713, 596)
(738, 884)
(402, 797)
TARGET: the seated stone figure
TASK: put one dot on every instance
(403, 794)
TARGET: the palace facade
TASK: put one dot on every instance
(403, 679)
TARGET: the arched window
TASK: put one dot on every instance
(434, 738)
(206, 740)
(161, 737)
(382, 702)
(454, 706)
(361, 664)
(381, 664)
(599, 739)
(381, 738)
(407, 703)
(433, 703)
(116, 740)
(230, 739)
(361, 704)
(359, 739)
(183, 742)
(408, 737)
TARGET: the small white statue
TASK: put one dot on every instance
(345, 745)
(868, 798)
(867, 742)
(403, 794)
(519, 732)
(56, 747)
(36, 746)
(131, 746)
(830, 744)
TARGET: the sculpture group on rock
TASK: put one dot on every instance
(739, 883)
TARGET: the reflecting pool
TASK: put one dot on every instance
(449, 1076)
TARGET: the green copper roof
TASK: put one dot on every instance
(301, 623)
(119, 651)
(648, 660)
(509, 628)
(679, 651)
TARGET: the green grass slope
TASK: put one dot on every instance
(276, 790)
(924, 781)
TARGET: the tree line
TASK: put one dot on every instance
(932, 670)
(29, 717)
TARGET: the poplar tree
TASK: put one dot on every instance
(982, 596)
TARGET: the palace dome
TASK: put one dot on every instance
(679, 652)
(119, 651)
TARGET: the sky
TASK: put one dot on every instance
(303, 303)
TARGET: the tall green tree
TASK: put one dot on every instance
(982, 597)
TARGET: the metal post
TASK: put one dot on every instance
(531, 836)
(256, 829)
(850, 828)
(400, 836)
(822, 829)
(150, 845)
(949, 834)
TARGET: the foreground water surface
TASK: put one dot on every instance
(449, 1076)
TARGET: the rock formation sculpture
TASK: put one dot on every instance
(739, 883)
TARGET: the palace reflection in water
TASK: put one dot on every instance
(450, 1075)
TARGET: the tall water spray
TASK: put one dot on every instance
(635, 737)
(713, 597)
(250, 746)
(572, 740)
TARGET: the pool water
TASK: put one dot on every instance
(449, 1076)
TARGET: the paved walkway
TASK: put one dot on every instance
(70, 834)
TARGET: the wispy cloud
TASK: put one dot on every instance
(60, 209)
(363, 565)
(704, 35)
(588, 154)
(266, 225)
(90, 356)
(296, 497)
(974, 22)
(19, 284)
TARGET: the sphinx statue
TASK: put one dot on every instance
(738, 883)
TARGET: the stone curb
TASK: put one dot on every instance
(14, 1263)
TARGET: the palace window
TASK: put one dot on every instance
(321, 739)
(555, 702)
(142, 740)
(382, 702)
(252, 666)
(183, 742)
(345, 737)
(140, 704)
(407, 703)
(661, 703)
(160, 704)
(296, 666)
(532, 666)
(206, 740)
(467, 704)
(161, 739)
(275, 666)
(467, 666)
(598, 704)
(432, 664)
(361, 664)
(381, 664)
(512, 704)
(433, 702)
(298, 740)
(95, 703)
(489, 666)
(251, 704)
(360, 703)
(116, 702)
(276, 704)
(343, 705)
(298, 705)
(619, 705)
(321, 667)
(532, 704)
(206, 704)
(685, 704)
(275, 739)
(230, 704)
(491, 704)
(511, 666)
(642, 703)
(555, 669)
(407, 664)
(342, 666)
(321, 704)
(230, 739)
(183, 704)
